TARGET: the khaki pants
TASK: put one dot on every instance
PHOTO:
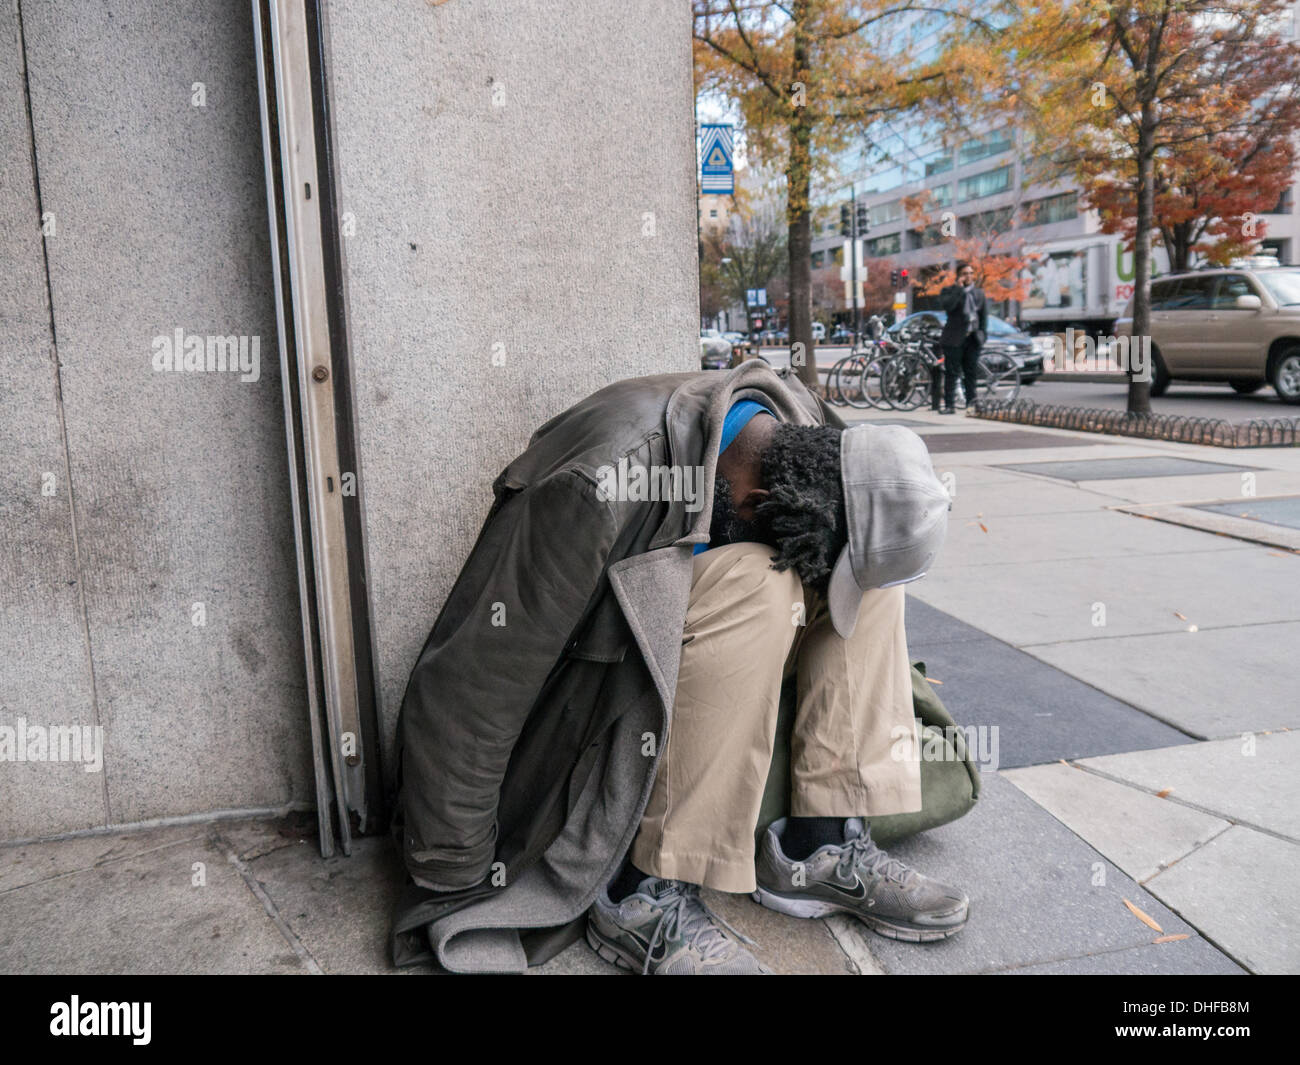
(743, 636)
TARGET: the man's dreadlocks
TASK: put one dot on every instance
(803, 517)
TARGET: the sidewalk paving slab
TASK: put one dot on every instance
(1233, 524)
(1047, 602)
(1204, 487)
(141, 913)
(782, 943)
(340, 909)
(1093, 534)
(975, 498)
(1261, 790)
(1211, 683)
(1033, 894)
(1185, 957)
(1041, 713)
(29, 863)
(1137, 831)
(926, 625)
(1239, 890)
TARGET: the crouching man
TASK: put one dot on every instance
(587, 735)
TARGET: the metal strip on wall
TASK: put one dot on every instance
(318, 417)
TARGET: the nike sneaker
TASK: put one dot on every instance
(664, 928)
(858, 878)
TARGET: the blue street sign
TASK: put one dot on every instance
(716, 170)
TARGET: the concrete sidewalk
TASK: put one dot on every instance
(1136, 677)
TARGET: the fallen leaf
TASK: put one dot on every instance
(1144, 918)
(1178, 615)
(1172, 939)
(1163, 792)
(984, 527)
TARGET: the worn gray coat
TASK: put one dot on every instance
(531, 728)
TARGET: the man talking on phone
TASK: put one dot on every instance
(963, 335)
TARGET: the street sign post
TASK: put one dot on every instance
(717, 174)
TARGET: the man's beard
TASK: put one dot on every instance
(728, 527)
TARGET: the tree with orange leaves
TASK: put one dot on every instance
(1148, 102)
(996, 251)
(805, 76)
(1209, 196)
(1172, 114)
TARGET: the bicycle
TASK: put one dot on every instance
(907, 373)
(907, 380)
(854, 381)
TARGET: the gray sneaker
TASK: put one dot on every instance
(665, 928)
(860, 879)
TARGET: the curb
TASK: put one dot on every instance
(1085, 376)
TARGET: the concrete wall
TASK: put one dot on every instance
(44, 667)
(170, 488)
(503, 161)
(521, 178)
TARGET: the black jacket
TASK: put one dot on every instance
(531, 727)
(953, 301)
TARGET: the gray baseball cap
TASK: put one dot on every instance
(897, 511)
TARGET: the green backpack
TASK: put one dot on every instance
(949, 785)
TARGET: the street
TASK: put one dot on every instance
(1190, 398)
(1210, 400)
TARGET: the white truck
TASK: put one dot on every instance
(1083, 282)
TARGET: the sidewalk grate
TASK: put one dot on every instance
(1121, 469)
(997, 441)
(1284, 510)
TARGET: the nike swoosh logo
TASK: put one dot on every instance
(656, 955)
(857, 892)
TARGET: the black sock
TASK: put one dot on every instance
(626, 883)
(803, 835)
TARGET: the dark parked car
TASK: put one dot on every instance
(1003, 339)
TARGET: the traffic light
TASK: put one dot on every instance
(893, 279)
(862, 219)
(846, 221)
(902, 278)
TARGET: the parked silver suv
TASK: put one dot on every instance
(1236, 325)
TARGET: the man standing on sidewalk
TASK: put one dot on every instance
(963, 335)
